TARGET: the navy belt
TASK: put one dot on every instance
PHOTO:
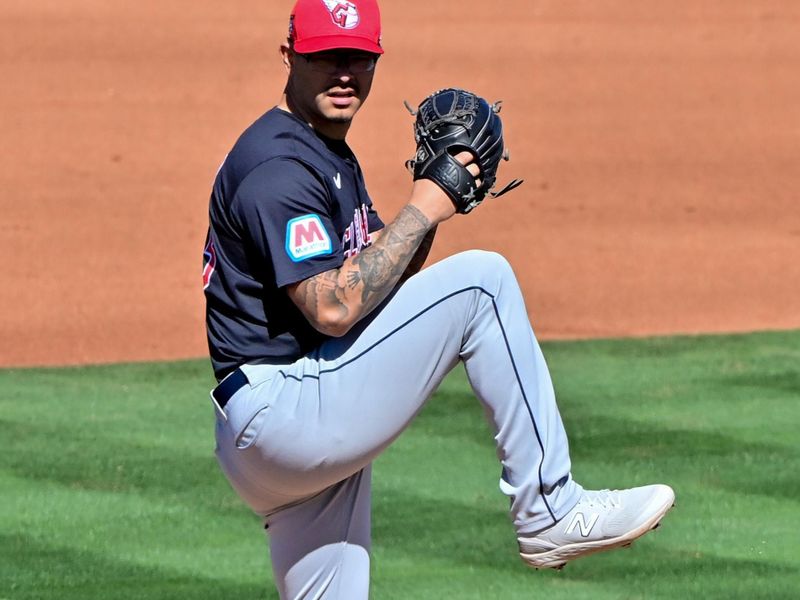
(228, 387)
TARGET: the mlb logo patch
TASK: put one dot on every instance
(306, 237)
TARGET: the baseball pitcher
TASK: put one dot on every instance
(320, 321)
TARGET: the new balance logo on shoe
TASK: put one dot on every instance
(580, 521)
(601, 520)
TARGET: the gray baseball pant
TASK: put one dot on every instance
(298, 441)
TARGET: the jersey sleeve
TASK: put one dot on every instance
(284, 212)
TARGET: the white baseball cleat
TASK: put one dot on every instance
(601, 520)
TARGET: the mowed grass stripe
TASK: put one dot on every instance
(109, 487)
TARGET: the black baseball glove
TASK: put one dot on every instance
(448, 122)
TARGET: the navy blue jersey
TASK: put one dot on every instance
(287, 204)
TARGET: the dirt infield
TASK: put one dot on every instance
(659, 143)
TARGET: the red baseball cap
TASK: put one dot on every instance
(317, 25)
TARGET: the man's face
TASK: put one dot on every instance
(328, 88)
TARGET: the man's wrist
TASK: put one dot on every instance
(431, 201)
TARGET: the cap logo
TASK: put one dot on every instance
(343, 13)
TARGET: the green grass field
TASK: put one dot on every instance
(109, 487)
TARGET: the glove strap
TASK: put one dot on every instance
(514, 183)
(456, 181)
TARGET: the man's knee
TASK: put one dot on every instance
(487, 266)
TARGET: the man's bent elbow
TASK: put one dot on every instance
(332, 324)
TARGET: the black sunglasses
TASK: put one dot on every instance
(331, 62)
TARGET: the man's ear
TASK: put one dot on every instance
(286, 57)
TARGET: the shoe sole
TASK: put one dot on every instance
(557, 558)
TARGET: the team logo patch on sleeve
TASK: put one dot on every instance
(306, 237)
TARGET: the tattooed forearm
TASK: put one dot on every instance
(382, 264)
(420, 256)
(335, 300)
(322, 291)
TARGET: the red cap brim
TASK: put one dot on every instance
(336, 42)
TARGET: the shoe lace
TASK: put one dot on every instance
(603, 499)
